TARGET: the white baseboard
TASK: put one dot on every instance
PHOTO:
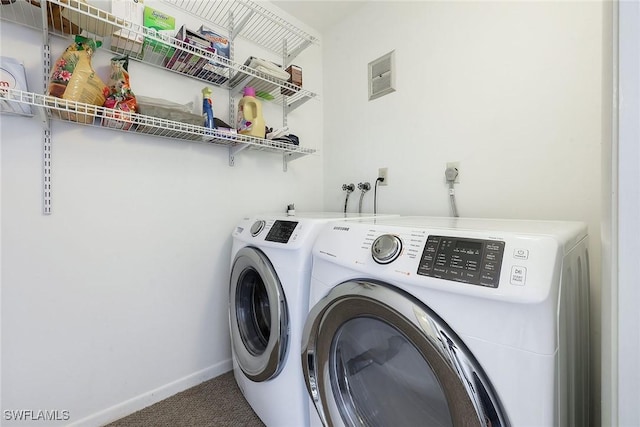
(153, 396)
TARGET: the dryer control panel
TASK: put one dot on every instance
(473, 261)
(281, 231)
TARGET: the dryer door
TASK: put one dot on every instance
(258, 315)
(375, 356)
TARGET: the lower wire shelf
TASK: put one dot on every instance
(92, 115)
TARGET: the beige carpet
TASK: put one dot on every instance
(214, 403)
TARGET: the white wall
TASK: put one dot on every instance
(119, 298)
(627, 403)
(511, 90)
(609, 231)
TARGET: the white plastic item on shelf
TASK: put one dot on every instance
(12, 76)
(131, 11)
(266, 67)
(168, 110)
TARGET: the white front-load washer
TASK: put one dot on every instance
(449, 322)
(268, 304)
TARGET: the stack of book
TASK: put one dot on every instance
(198, 56)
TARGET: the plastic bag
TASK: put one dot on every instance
(74, 79)
(121, 98)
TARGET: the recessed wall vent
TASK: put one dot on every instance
(382, 76)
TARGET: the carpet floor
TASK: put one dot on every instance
(214, 403)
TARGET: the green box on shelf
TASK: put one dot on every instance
(156, 51)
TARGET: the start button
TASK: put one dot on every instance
(518, 275)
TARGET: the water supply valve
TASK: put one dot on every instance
(364, 187)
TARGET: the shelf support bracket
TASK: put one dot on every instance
(284, 98)
(238, 28)
(235, 149)
(46, 134)
(46, 172)
(292, 55)
(289, 157)
(295, 104)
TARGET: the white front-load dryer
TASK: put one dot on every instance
(449, 322)
(268, 304)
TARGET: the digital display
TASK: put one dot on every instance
(471, 261)
(468, 246)
(281, 231)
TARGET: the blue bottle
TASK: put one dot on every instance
(207, 108)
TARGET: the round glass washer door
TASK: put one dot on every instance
(375, 356)
(258, 315)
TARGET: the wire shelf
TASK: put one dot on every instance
(92, 115)
(66, 17)
(251, 21)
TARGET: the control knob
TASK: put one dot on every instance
(386, 248)
(257, 227)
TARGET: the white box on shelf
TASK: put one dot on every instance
(124, 40)
(13, 76)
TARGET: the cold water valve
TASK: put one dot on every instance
(364, 187)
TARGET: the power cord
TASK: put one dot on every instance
(451, 174)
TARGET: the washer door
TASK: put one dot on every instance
(375, 356)
(258, 315)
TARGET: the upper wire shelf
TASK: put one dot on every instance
(92, 115)
(66, 17)
(251, 21)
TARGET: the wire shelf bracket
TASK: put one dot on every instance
(46, 172)
(233, 150)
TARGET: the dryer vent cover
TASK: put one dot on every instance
(381, 76)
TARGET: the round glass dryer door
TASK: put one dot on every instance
(258, 315)
(375, 356)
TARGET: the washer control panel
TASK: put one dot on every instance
(386, 248)
(257, 227)
(281, 231)
(473, 261)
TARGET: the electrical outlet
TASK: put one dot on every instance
(455, 165)
(383, 173)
